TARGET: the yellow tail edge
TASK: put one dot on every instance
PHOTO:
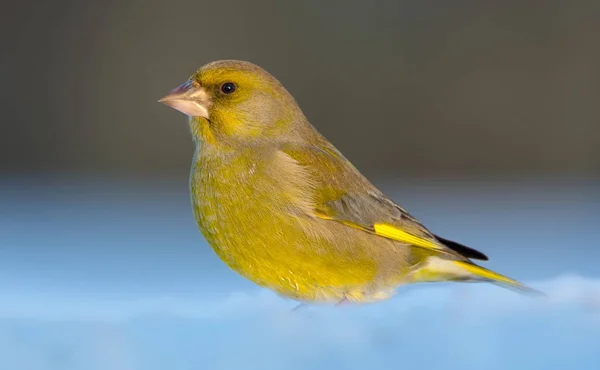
(497, 278)
(438, 269)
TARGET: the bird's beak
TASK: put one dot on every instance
(189, 99)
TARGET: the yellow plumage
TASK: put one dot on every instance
(282, 206)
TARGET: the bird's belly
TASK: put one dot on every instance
(276, 251)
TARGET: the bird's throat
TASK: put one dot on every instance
(202, 131)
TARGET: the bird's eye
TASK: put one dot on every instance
(228, 88)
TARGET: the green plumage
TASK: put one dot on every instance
(284, 208)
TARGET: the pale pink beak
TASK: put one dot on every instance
(189, 100)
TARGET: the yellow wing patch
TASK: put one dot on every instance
(395, 233)
(390, 232)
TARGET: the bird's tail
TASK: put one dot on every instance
(437, 269)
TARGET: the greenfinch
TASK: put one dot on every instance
(284, 208)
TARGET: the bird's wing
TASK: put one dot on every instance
(343, 195)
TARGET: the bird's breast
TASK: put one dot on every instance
(245, 206)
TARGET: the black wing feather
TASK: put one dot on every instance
(463, 249)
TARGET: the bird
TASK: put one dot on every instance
(281, 206)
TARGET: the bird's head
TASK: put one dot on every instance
(233, 101)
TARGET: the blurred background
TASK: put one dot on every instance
(480, 118)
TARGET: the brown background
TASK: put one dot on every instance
(428, 88)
